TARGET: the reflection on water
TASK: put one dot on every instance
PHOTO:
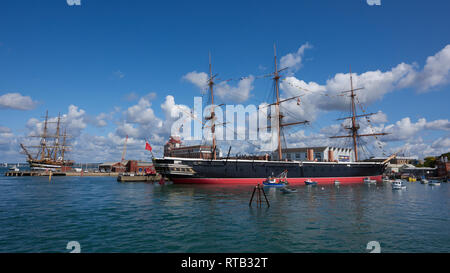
(105, 216)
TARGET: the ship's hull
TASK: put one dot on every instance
(198, 171)
(48, 164)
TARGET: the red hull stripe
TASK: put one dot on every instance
(254, 181)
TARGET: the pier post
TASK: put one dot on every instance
(258, 189)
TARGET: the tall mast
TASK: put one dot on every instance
(124, 149)
(276, 77)
(64, 145)
(213, 125)
(277, 103)
(44, 136)
(355, 126)
(57, 143)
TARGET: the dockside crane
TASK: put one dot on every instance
(124, 149)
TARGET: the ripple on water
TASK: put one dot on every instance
(106, 216)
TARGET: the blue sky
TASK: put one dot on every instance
(108, 54)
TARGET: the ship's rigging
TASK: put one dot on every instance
(354, 128)
(52, 148)
(276, 76)
(279, 110)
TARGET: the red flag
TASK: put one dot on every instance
(148, 147)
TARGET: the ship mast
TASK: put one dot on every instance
(355, 126)
(46, 151)
(279, 115)
(56, 144)
(64, 145)
(213, 114)
(44, 137)
(276, 78)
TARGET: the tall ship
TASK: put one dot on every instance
(253, 170)
(50, 153)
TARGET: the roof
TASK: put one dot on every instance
(108, 164)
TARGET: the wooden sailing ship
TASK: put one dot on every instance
(51, 151)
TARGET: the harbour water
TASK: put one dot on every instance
(106, 216)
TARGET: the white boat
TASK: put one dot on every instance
(14, 168)
(424, 181)
(398, 184)
(337, 182)
(367, 180)
(387, 180)
(434, 183)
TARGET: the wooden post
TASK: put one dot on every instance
(258, 189)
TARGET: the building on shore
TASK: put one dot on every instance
(128, 166)
(320, 154)
(112, 167)
(174, 148)
(410, 170)
(443, 167)
(399, 160)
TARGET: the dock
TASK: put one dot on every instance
(121, 177)
(36, 173)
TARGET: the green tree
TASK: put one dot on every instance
(430, 161)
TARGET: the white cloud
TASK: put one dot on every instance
(421, 149)
(142, 113)
(224, 91)
(328, 97)
(404, 129)
(294, 60)
(172, 112)
(118, 74)
(379, 117)
(237, 94)
(16, 101)
(436, 71)
(199, 79)
(74, 121)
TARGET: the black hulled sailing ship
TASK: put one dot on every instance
(244, 171)
(51, 151)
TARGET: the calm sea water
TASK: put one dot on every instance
(106, 216)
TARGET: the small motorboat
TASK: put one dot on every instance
(272, 182)
(279, 181)
(398, 184)
(434, 183)
(309, 182)
(424, 181)
(367, 180)
(337, 182)
(387, 180)
(14, 168)
(287, 190)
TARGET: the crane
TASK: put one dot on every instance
(124, 149)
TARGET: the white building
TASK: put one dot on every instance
(321, 154)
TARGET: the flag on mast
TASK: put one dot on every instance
(147, 146)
